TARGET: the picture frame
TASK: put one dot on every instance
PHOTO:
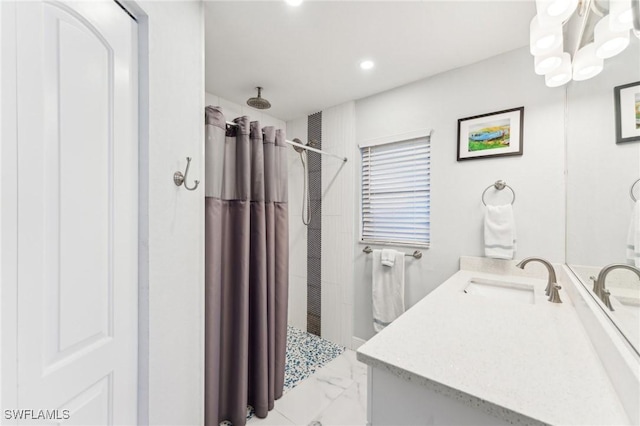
(496, 134)
(627, 107)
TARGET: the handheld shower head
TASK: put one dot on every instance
(297, 148)
(259, 102)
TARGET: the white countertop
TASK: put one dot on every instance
(525, 363)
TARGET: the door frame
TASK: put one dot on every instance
(9, 218)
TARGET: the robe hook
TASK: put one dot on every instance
(179, 178)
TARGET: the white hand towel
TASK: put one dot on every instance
(388, 290)
(388, 257)
(499, 232)
(633, 237)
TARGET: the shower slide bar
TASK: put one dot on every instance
(416, 254)
(308, 148)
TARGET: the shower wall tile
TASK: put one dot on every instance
(338, 215)
(315, 185)
(331, 312)
(315, 161)
(313, 273)
(316, 216)
(297, 308)
(314, 233)
(313, 300)
(316, 212)
(313, 324)
(297, 231)
(297, 250)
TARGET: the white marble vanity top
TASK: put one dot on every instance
(527, 363)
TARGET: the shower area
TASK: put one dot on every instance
(298, 225)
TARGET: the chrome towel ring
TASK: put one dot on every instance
(633, 197)
(500, 185)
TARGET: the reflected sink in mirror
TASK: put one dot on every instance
(500, 290)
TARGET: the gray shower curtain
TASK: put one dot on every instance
(246, 267)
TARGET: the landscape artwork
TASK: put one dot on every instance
(496, 134)
(490, 135)
(627, 107)
(637, 110)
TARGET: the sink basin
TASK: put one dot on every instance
(500, 290)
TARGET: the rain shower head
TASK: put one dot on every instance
(259, 102)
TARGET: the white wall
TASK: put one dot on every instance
(600, 172)
(172, 292)
(502, 82)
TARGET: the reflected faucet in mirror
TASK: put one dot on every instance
(598, 285)
(552, 287)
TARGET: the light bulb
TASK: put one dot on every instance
(562, 74)
(609, 43)
(548, 62)
(621, 17)
(544, 39)
(586, 64)
(555, 11)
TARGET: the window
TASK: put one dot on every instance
(396, 193)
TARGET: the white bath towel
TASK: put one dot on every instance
(633, 237)
(388, 257)
(388, 290)
(499, 232)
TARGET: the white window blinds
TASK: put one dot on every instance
(396, 189)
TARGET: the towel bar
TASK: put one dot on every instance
(499, 185)
(633, 185)
(416, 254)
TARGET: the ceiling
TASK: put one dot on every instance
(307, 58)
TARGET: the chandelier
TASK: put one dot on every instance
(570, 39)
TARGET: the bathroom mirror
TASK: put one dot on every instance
(600, 174)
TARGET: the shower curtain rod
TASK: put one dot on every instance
(308, 148)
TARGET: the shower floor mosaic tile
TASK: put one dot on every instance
(306, 354)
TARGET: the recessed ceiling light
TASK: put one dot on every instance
(366, 65)
(294, 2)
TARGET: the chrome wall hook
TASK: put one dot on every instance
(179, 178)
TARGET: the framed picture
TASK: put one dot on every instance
(627, 100)
(495, 134)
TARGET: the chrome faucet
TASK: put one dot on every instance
(552, 287)
(598, 284)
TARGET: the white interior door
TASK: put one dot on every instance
(77, 210)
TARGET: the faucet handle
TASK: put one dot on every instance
(596, 289)
(554, 296)
(605, 299)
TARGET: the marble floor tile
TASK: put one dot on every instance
(348, 409)
(309, 398)
(347, 365)
(274, 418)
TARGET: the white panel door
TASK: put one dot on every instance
(77, 210)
